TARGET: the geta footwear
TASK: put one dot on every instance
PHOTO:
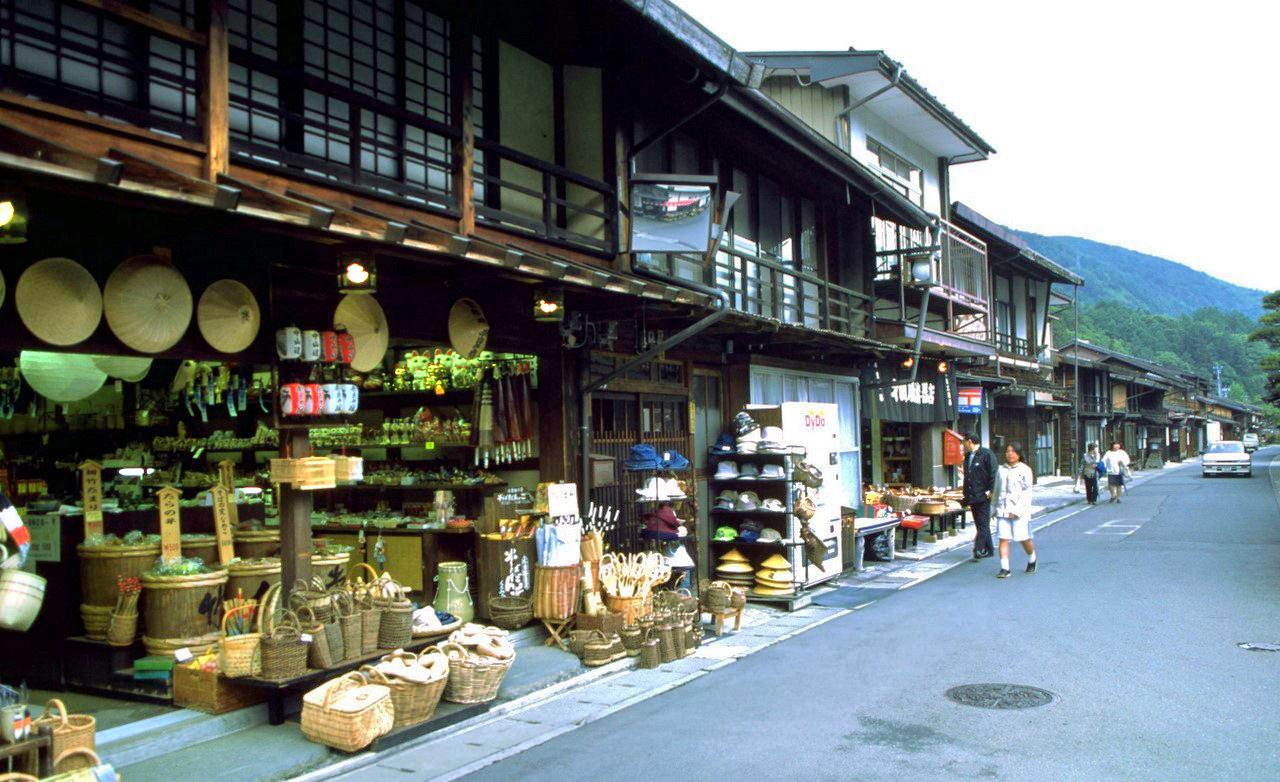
(1002, 574)
(1031, 567)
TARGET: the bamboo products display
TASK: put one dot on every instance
(240, 650)
(628, 581)
(555, 592)
(479, 659)
(347, 713)
(416, 681)
(101, 564)
(284, 653)
(181, 610)
(601, 649)
(68, 731)
(351, 621)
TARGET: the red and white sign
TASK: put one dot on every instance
(969, 399)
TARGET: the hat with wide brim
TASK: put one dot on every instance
(59, 301)
(772, 591)
(733, 555)
(776, 562)
(468, 328)
(147, 303)
(362, 317)
(734, 567)
(778, 578)
(130, 368)
(228, 316)
(61, 377)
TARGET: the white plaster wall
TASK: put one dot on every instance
(864, 123)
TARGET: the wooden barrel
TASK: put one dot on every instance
(331, 568)
(100, 566)
(257, 543)
(555, 592)
(202, 546)
(182, 608)
(252, 578)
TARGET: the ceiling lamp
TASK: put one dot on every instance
(548, 305)
(13, 218)
(357, 273)
(942, 367)
(908, 362)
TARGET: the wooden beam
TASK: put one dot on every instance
(18, 142)
(214, 97)
(254, 197)
(464, 147)
(128, 13)
(374, 227)
(295, 518)
(139, 169)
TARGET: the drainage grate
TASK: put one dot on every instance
(1000, 696)
(1260, 647)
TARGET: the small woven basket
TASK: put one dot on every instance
(667, 640)
(351, 620)
(69, 731)
(239, 655)
(284, 653)
(510, 613)
(122, 629)
(318, 654)
(473, 678)
(650, 654)
(396, 628)
(718, 596)
(632, 637)
(370, 620)
(598, 650)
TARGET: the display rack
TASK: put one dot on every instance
(682, 540)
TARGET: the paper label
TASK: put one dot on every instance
(562, 499)
(223, 524)
(305, 638)
(170, 523)
(91, 496)
(182, 655)
(46, 537)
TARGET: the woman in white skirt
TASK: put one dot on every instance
(1012, 503)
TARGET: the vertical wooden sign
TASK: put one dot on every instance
(222, 525)
(227, 474)
(170, 523)
(91, 497)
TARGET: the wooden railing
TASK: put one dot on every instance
(1094, 403)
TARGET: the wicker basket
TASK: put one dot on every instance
(473, 678)
(209, 691)
(335, 716)
(122, 629)
(239, 655)
(320, 602)
(598, 650)
(667, 641)
(351, 620)
(415, 702)
(68, 731)
(370, 620)
(931, 506)
(284, 653)
(510, 613)
(718, 596)
(633, 609)
(97, 620)
(738, 600)
(555, 592)
(101, 566)
(396, 628)
(650, 653)
(256, 543)
(901, 502)
(178, 608)
(318, 654)
(632, 636)
(73, 760)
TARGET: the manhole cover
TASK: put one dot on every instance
(1258, 647)
(1000, 696)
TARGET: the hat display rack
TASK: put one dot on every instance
(753, 512)
(660, 487)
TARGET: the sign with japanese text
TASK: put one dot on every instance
(91, 497)
(969, 400)
(170, 523)
(223, 527)
(46, 536)
(562, 500)
(227, 474)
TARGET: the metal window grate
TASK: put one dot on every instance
(74, 56)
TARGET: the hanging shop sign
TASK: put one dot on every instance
(952, 448)
(91, 498)
(170, 524)
(929, 398)
(969, 400)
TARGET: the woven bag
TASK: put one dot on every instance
(473, 678)
(510, 613)
(318, 654)
(650, 654)
(718, 595)
(239, 655)
(317, 600)
(347, 713)
(351, 620)
(69, 731)
(284, 653)
(598, 650)
(396, 629)
(632, 636)
(370, 620)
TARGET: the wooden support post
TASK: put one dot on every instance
(295, 518)
(214, 98)
(464, 147)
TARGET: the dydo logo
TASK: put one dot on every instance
(815, 420)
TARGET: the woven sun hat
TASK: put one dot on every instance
(59, 301)
(773, 591)
(130, 368)
(61, 377)
(776, 562)
(733, 555)
(228, 316)
(361, 316)
(734, 567)
(774, 577)
(147, 303)
(468, 328)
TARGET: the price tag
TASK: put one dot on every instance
(91, 496)
(223, 524)
(305, 638)
(182, 655)
(170, 523)
(429, 445)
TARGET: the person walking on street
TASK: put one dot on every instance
(1116, 462)
(979, 480)
(1013, 507)
(1089, 473)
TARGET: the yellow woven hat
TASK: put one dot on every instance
(772, 591)
(361, 316)
(733, 555)
(774, 576)
(734, 567)
(776, 562)
(228, 316)
(148, 303)
(59, 301)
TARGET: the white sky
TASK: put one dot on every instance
(1147, 125)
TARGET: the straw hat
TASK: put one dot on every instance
(468, 328)
(361, 316)
(773, 591)
(734, 567)
(733, 555)
(148, 304)
(779, 576)
(130, 368)
(3, 289)
(61, 377)
(228, 316)
(59, 301)
(776, 562)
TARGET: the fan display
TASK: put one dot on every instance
(59, 301)
(468, 328)
(228, 316)
(61, 377)
(361, 316)
(148, 304)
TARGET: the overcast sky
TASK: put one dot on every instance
(1147, 125)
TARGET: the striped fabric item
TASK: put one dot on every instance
(13, 525)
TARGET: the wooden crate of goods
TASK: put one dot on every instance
(206, 690)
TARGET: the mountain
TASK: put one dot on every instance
(1114, 273)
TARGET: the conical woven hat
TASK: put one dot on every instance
(362, 317)
(773, 591)
(61, 377)
(228, 316)
(734, 567)
(733, 555)
(59, 301)
(3, 290)
(130, 368)
(468, 328)
(776, 562)
(148, 304)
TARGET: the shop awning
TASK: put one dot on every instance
(930, 398)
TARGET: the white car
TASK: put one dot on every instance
(1250, 440)
(1226, 457)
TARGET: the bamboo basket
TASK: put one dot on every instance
(650, 653)
(252, 579)
(370, 621)
(68, 731)
(633, 609)
(183, 607)
(667, 641)
(396, 629)
(284, 653)
(97, 620)
(901, 502)
(122, 629)
(555, 592)
(239, 655)
(718, 595)
(632, 638)
(73, 760)
(257, 543)
(474, 678)
(347, 724)
(351, 621)
(320, 603)
(101, 566)
(598, 650)
(318, 654)
(203, 546)
(510, 613)
(415, 702)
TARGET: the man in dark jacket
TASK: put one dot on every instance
(979, 480)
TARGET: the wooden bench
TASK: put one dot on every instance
(912, 525)
(866, 527)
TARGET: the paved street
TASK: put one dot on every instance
(1133, 622)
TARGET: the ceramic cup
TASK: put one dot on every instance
(312, 345)
(289, 342)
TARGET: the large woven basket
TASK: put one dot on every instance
(252, 579)
(414, 702)
(69, 731)
(352, 622)
(901, 502)
(239, 655)
(473, 678)
(370, 621)
(101, 566)
(510, 613)
(396, 629)
(318, 654)
(633, 609)
(650, 651)
(332, 720)
(555, 592)
(284, 653)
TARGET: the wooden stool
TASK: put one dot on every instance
(555, 629)
(719, 616)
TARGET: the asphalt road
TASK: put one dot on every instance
(1133, 621)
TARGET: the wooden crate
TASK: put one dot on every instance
(211, 692)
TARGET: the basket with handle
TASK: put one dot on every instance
(598, 650)
(351, 620)
(122, 629)
(68, 731)
(510, 613)
(318, 654)
(650, 654)
(667, 640)
(240, 655)
(17, 776)
(284, 653)
(718, 595)
(347, 713)
(316, 599)
(632, 636)
(75, 759)
(370, 619)
(473, 678)
(434, 664)
(396, 629)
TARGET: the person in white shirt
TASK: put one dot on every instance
(1116, 461)
(1012, 503)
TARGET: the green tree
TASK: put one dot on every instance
(1268, 333)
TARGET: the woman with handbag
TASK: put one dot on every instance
(1089, 474)
(1116, 462)
(1012, 502)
